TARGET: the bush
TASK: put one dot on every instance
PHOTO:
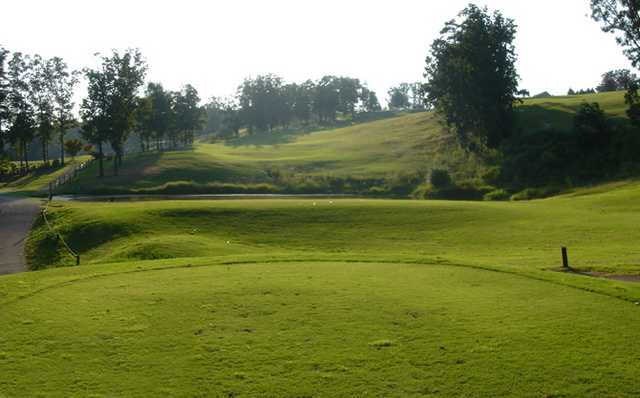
(535, 193)
(497, 194)
(440, 179)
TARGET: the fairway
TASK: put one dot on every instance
(336, 329)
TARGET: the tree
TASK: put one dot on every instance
(616, 80)
(73, 147)
(4, 95)
(571, 92)
(632, 99)
(96, 124)
(326, 99)
(40, 81)
(22, 120)
(370, 101)
(471, 77)
(260, 101)
(62, 85)
(129, 70)
(621, 17)
(399, 96)
(188, 114)
(112, 101)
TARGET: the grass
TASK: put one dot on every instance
(328, 298)
(37, 182)
(314, 329)
(512, 234)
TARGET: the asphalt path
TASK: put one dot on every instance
(16, 218)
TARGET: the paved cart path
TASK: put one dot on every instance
(16, 217)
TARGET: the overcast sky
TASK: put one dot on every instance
(215, 44)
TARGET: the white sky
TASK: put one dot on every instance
(215, 44)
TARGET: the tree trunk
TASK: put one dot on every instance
(100, 159)
(115, 164)
(25, 154)
(44, 152)
(62, 143)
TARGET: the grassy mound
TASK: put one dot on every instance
(522, 234)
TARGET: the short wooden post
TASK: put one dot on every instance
(77, 259)
(50, 191)
(565, 258)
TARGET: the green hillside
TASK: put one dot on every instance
(398, 148)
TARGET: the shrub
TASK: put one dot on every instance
(497, 194)
(440, 178)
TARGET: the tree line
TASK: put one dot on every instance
(267, 101)
(36, 101)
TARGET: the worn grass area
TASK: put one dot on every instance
(36, 182)
(329, 329)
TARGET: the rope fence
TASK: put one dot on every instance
(53, 185)
(59, 237)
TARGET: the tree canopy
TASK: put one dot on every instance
(471, 76)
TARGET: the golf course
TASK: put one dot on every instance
(347, 296)
(359, 199)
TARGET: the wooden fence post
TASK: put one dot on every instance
(565, 258)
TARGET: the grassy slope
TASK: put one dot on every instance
(403, 145)
(36, 182)
(505, 234)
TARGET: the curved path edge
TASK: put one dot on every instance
(16, 218)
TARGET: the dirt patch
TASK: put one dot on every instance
(604, 275)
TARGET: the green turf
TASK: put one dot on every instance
(504, 234)
(316, 329)
(329, 298)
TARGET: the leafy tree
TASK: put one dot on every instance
(112, 100)
(399, 96)
(326, 99)
(571, 92)
(95, 108)
(23, 124)
(303, 101)
(260, 101)
(440, 178)
(370, 101)
(73, 147)
(471, 77)
(188, 114)
(621, 17)
(632, 99)
(616, 80)
(144, 115)
(4, 95)
(62, 86)
(40, 80)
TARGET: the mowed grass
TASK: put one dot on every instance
(600, 230)
(328, 298)
(402, 145)
(37, 182)
(330, 329)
